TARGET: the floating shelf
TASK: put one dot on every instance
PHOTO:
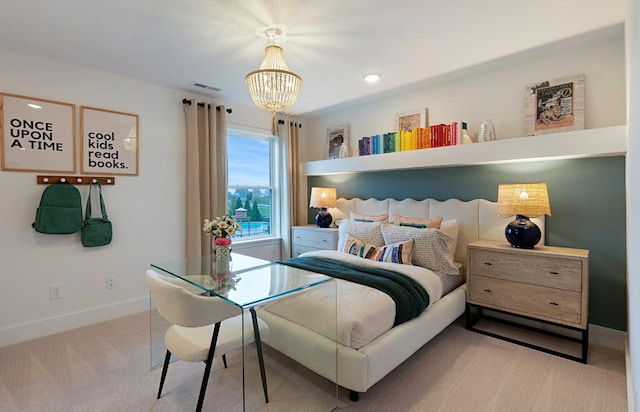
(602, 142)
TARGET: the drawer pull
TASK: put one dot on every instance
(488, 290)
(555, 273)
(487, 263)
(553, 303)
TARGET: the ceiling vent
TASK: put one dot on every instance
(204, 86)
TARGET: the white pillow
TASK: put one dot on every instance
(450, 227)
(416, 221)
(367, 218)
(430, 246)
(368, 232)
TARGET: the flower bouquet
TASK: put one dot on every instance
(221, 228)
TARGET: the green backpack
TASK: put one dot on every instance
(60, 210)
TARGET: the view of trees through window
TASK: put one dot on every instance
(249, 183)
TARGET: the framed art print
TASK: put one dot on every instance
(37, 135)
(338, 142)
(409, 120)
(554, 106)
(110, 142)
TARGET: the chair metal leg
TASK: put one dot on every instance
(256, 333)
(165, 367)
(224, 360)
(207, 369)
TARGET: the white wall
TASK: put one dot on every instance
(496, 92)
(147, 211)
(633, 199)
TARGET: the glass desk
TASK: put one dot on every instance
(251, 285)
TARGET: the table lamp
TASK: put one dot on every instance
(524, 200)
(323, 197)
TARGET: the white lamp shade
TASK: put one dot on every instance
(323, 197)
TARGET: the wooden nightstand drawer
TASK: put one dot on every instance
(557, 305)
(547, 284)
(552, 272)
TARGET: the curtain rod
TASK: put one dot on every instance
(187, 101)
(280, 121)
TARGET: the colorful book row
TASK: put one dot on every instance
(418, 138)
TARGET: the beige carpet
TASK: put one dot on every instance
(105, 367)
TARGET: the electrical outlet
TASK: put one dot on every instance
(55, 292)
(111, 282)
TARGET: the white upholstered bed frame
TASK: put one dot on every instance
(359, 370)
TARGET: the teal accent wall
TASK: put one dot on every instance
(587, 199)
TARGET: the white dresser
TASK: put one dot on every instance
(311, 237)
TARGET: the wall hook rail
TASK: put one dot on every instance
(76, 180)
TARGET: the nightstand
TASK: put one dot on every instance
(547, 284)
(311, 237)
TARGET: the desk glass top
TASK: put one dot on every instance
(254, 285)
(250, 282)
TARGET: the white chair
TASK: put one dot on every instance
(201, 327)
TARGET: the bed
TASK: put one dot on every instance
(365, 356)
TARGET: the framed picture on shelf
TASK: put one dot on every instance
(409, 120)
(37, 135)
(338, 142)
(554, 106)
(110, 142)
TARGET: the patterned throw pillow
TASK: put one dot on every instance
(418, 222)
(430, 247)
(394, 253)
(368, 232)
(357, 247)
(368, 218)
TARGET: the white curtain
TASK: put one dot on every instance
(206, 183)
(290, 182)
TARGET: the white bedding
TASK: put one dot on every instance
(363, 313)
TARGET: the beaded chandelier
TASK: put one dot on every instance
(273, 87)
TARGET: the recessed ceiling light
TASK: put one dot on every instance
(371, 77)
(34, 106)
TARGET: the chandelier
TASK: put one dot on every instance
(273, 87)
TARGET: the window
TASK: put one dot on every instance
(250, 183)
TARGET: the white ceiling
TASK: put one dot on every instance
(331, 44)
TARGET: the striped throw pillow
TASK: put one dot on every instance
(399, 252)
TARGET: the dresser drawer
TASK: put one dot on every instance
(315, 238)
(553, 272)
(557, 305)
(298, 250)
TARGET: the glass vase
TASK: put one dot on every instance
(487, 131)
(222, 258)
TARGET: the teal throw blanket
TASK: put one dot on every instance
(410, 297)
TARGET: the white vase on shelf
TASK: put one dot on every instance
(487, 131)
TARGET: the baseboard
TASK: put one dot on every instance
(610, 338)
(50, 326)
(631, 394)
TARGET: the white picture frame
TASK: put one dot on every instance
(411, 119)
(554, 106)
(338, 142)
